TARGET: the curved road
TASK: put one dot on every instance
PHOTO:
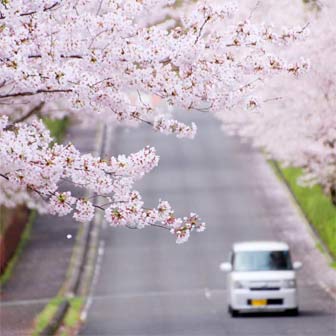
(147, 285)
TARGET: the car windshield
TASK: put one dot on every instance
(261, 261)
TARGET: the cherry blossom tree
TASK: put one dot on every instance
(298, 126)
(100, 59)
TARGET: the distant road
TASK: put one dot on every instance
(148, 285)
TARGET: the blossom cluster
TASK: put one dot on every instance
(174, 127)
(32, 168)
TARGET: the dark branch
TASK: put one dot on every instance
(5, 177)
(33, 111)
(201, 29)
(62, 56)
(32, 93)
(34, 12)
(160, 226)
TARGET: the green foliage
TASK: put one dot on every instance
(24, 238)
(45, 316)
(317, 207)
(57, 127)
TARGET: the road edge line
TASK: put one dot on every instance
(70, 286)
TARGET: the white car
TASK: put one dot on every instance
(261, 277)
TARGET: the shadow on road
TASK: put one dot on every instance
(303, 313)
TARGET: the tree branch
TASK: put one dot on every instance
(33, 111)
(2, 17)
(32, 93)
(160, 226)
(4, 176)
(62, 56)
(201, 29)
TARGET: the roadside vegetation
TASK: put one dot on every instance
(317, 207)
(48, 312)
(71, 321)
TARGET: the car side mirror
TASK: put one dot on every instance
(225, 267)
(297, 265)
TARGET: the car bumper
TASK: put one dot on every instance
(277, 300)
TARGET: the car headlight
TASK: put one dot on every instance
(237, 284)
(289, 283)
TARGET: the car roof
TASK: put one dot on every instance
(260, 246)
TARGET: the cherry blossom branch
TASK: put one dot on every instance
(160, 226)
(272, 99)
(2, 17)
(33, 111)
(44, 10)
(32, 93)
(135, 54)
(4, 176)
(62, 56)
(99, 7)
(201, 29)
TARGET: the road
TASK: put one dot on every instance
(148, 285)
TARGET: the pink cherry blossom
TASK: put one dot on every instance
(61, 203)
(84, 211)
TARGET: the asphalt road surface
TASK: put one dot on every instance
(148, 285)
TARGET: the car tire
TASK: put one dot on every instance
(233, 312)
(293, 311)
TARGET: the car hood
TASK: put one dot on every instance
(263, 275)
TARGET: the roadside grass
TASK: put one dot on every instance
(43, 318)
(72, 316)
(317, 207)
(333, 264)
(23, 241)
(71, 320)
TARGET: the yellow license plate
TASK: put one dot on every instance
(258, 303)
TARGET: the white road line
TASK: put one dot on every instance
(186, 292)
(24, 302)
(327, 289)
(88, 303)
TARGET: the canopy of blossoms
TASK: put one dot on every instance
(298, 127)
(100, 59)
